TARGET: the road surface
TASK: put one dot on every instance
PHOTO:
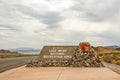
(10, 63)
(59, 73)
(114, 67)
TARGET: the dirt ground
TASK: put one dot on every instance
(59, 73)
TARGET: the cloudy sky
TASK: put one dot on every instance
(34, 23)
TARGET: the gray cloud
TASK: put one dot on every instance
(10, 27)
(97, 10)
(49, 18)
(36, 24)
(110, 35)
(7, 10)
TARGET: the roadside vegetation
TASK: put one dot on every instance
(16, 55)
(113, 57)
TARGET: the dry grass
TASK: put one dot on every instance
(16, 55)
(113, 57)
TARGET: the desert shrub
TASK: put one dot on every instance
(118, 62)
(107, 59)
(113, 57)
(100, 55)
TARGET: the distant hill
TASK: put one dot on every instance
(2, 51)
(113, 47)
(25, 50)
(118, 49)
(101, 49)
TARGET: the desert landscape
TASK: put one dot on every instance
(59, 40)
(110, 70)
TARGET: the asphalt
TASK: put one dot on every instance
(10, 63)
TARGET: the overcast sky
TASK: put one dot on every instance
(35, 23)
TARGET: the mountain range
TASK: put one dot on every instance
(25, 50)
(114, 47)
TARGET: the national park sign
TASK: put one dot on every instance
(67, 56)
(57, 52)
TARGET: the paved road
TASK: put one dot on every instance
(113, 67)
(6, 64)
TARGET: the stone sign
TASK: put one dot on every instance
(57, 52)
(67, 56)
